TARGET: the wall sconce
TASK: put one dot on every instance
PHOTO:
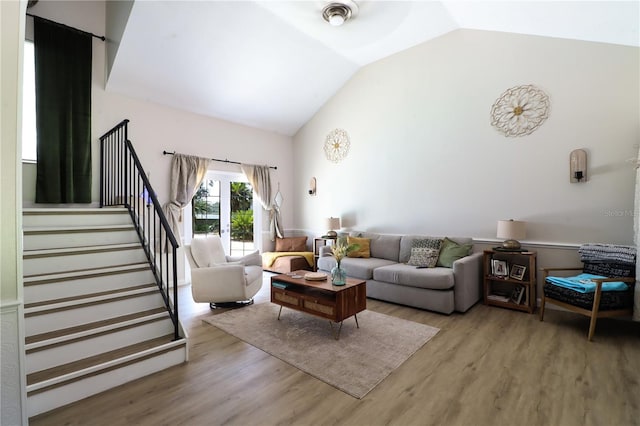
(578, 166)
(312, 186)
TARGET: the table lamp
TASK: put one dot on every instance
(512, 231)
(333, 223)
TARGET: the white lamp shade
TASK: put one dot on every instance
(511, 229)
(332, 223)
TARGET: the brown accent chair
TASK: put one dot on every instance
(600, 304)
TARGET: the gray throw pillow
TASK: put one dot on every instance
(432, 243)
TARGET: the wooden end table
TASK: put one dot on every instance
(320, 298)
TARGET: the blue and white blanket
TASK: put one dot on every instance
(607, 253)
(583, 283)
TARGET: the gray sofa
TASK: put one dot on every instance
(390, 278)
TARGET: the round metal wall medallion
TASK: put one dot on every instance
(336, 145)
(520, 111)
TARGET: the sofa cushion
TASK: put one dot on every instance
(382, 246)
(452, 251)
(291, 244)
(402, 274)
(363, 247)
(362, 268)
(423, 257)
(356, 267)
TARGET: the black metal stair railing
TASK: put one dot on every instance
(123, 182)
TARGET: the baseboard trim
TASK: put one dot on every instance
(11, 305)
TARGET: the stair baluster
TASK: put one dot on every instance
(124, 182)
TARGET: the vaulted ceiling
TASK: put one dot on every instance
(273, 64)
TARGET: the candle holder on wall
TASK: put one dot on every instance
(578, 166)
(312, 186)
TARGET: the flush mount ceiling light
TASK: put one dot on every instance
(337, 13)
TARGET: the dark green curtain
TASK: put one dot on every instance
(63, 113)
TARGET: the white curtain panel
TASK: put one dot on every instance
(187, 173)
(636, 233)
(260, 178)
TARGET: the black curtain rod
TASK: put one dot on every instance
(215, 159)
(67, 26)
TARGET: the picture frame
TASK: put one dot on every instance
(517, 272)
(499, 268)
(518, 294)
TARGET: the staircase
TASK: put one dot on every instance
(94, 316)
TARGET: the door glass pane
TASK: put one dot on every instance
(223, 205)
(206, 208)
(241, 218)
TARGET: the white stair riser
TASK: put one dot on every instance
(59, 355)
(83, 286)
(47, 322)
(57, 397)
(63, 276)
(74, 262)
(88, 217)
(39, 241)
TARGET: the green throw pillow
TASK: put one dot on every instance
(452, 251)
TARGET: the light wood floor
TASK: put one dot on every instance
(489, 366)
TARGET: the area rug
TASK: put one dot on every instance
(355, 363)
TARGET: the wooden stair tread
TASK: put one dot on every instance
(50, 373)
(90, 301)
(37, 211)
(33, 230)
(91, 295)
(93, 325)
(28, 254)
(46, 278)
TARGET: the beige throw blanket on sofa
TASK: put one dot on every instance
(269, 257)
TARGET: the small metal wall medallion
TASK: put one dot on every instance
(520, 111)
(336, 145)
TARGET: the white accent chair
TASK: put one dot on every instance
(222, 280)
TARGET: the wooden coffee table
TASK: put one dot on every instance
(320, 298)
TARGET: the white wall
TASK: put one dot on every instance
(425, 159)
(13, 384)
(117, 16)
(154, 128)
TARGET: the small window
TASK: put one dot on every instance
(29, 133)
